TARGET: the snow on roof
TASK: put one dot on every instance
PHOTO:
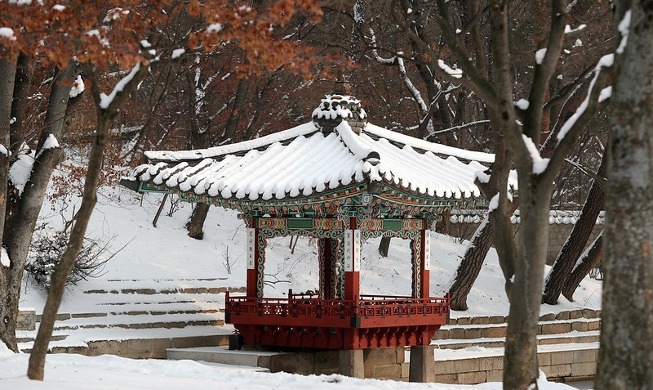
(314, 157)
(185, 155)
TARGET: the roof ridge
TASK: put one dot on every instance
(422, 146)
(350, 139)
(242, 147)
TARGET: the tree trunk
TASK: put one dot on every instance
(626, 350)
(384, 246)
(24, 72)
(160, 209)
(472, 262)
(36, 365)
(58, 280)
(195, 225)
(239, 103)
(444, 224)
(199, 137)
(471, 265)
(573, 247)
(23, 210)
(520, 355)
(586, 263)
(8, 272)
(26, 207)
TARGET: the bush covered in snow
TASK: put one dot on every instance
(49, 246)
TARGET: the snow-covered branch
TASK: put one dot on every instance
(106, 100)
(574, 125)
(539, 163)
(399, 61)
(462, 127)
(411, 87)
(108, 105)
(624, 27)
(604, 62)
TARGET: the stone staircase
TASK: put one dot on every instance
(188, 321)
(140, 322)
(470, 350)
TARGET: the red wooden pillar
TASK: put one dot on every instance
(425, 262)
(254, 262)
(352, 249)
(327, 259)
(421, 260)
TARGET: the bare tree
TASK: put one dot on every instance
(23, 207)
(626, 350)
(589, 260)
(518, 127)
(580, 234)
(63, 47)
(105, 116)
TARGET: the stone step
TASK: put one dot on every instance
(559, 339)
(138, 344)
(164, 312)
(222, 355)
(142, 325)
(172, 290)
(561, 316)
(549, 327)
(30, 339)
(195, 302)
(174, 309)
(569, 338)
(137, 320)
(201, 300)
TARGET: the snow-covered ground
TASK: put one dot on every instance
(73, 372)
(165, 255)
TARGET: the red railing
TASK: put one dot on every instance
(310, 310)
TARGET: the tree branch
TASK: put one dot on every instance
(574, 126)
(471, 78)
(544, 71)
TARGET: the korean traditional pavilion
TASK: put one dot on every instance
(340, 180)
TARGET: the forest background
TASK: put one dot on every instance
(463, 73)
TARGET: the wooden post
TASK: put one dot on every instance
(255, 262)
(421, 260)
(425, 262)
(326, 268)
(352, 249)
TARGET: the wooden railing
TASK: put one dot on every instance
(309, 310)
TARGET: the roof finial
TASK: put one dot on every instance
(341, 85)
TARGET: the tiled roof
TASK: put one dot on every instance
(311, 158)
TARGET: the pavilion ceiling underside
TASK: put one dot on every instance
(352, 200)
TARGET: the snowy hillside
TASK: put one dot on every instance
(165, 255)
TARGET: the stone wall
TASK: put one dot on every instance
(26, 319)
(391, 363)
(380, 363)
(563, 366)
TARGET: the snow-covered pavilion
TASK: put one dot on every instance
(341, 180)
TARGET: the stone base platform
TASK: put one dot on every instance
(562, 363)
(380, 363)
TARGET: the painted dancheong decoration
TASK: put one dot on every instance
(340, 180)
